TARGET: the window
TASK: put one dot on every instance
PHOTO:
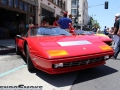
(21, 5)
(54, 1)
(74, 11)
(25, 7)
(31, 9)
(16, 3)
(64, 5)
(10, 3)
(75, 2)
(84, 4)
(4, 2)
(60, 3)
(83, 21)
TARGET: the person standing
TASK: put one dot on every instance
(111, 33)
(55, 23)
(21, 27)
(64, 22)
(106, 31)
(116, 28)
(117, 35)
(31, 24)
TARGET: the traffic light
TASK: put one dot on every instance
(106, 5)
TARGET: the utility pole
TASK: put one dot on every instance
(77, 14)
(77, 11)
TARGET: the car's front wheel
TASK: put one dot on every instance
(29, 62)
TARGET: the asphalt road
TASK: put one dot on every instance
(13, 72)
(106, 77)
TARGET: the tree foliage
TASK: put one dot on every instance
(94, 22)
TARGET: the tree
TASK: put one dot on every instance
(95, 23)
(92, 22)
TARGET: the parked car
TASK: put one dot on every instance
(101, 37)
(54, 50)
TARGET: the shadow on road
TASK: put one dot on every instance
(93, 73)
(6, 50)
(72, 78)
(60, 80)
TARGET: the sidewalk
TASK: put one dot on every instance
(7, 46)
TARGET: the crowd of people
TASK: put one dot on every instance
(114, 33)
(64, 22)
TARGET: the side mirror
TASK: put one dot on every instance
(18, 36)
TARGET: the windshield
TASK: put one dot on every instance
(48, 31)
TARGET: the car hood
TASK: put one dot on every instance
(74, 45)
(101, 37)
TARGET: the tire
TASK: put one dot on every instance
(17, 50)
(30, 65)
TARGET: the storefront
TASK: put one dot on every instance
(10, 20)
(47, 14)
(13, 13)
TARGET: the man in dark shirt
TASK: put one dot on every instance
(64, 22)
(116, 27)
(116, 36)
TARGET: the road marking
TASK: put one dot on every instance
(12, 70)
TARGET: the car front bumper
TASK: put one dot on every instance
(69, 64)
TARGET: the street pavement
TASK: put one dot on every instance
(13, 72)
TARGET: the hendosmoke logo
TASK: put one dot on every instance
(20, 87)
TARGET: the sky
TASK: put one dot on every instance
(105, 17)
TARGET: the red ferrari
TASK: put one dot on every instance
(54, 50)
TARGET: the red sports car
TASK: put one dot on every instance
(54, 50)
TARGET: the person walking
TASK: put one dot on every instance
(117, 35)
(116, 28)
(64, 22)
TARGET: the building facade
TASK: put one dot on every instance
(50, 9)
(82, 7)
(16, 11)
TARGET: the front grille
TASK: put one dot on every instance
(82, 62)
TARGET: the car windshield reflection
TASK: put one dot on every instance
(48, 31)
